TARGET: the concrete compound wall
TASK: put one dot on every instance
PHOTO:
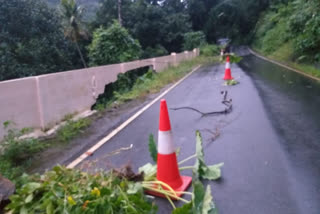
(41, 102)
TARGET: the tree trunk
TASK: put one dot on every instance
(119, 12)
(81, 56)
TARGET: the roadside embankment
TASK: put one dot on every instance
(304, 69)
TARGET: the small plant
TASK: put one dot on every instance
(231, 82)
(193, 40)
(72, 128)
(64, 190)
(16, 152)
(202, 201)
(209, 50)
(200, 171)
(9, 170)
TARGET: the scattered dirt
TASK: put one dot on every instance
(126, 172)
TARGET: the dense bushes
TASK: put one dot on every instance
(209, 50)
(296, 24)
(113, 45)
(41, 40)
(32, 41)
(194, 40)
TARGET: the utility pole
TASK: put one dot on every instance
(119, 12)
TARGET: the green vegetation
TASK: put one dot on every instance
(17, 154)
(152, 82)
(231, 82)
(69, 34)
(141, 82)
(113, 45)
(288, 32)
(32, 42)
(135, 85)
(74, 30)
(194, 40)
(72, 128)
(62, 190)
(209, 50)
(123, 84)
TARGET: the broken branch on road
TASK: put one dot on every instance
(225, 101)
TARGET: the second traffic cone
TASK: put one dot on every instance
(167, 165)
(227, 73)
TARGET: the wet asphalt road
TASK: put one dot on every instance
(260, 174)
(292, 101)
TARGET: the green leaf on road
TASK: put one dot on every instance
(153, 148)
(201, 170)
(185, 209)
(202, 201)
(149, 170)
(208, 205)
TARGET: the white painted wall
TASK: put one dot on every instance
(41, 102)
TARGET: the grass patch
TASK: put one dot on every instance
(72, 128)
(17, 154)
(152, 82)
(283, 53)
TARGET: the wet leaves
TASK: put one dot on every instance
(202, 201)
(64, 190)
(212, 172)
(153, 148)
(149, 171)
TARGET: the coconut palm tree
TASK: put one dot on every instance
(72, 22)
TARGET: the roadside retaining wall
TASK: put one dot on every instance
(43, 101)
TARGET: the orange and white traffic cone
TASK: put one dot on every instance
(227, 73)
(167, 166)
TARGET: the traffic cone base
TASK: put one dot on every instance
(186, 181)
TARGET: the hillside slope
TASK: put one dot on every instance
(289, 33)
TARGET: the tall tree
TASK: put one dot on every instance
(113, 45)
(119, 12)
(73, 25)
(32, 40)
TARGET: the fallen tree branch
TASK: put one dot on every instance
(227, 103)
